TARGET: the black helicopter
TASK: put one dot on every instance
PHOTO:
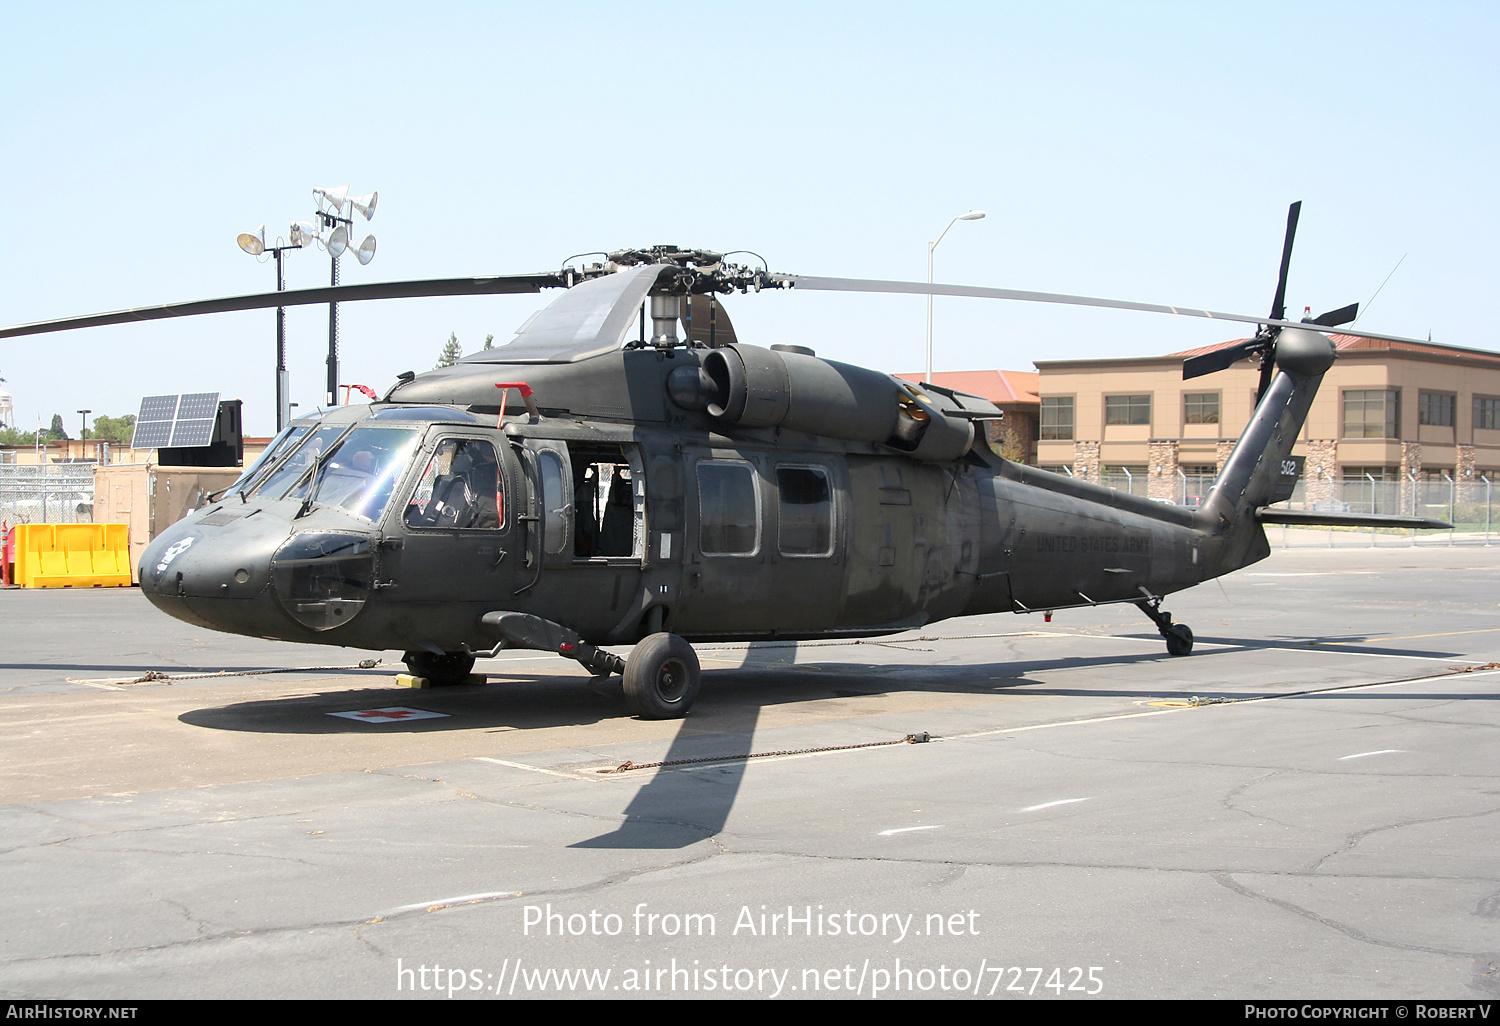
(580, 488)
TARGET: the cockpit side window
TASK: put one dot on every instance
(461, 487)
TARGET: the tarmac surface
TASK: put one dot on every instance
(1308, 806)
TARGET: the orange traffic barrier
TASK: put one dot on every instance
(72, 555)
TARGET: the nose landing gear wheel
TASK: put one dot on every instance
(440, 670)
(1179, 639)
(662, 677)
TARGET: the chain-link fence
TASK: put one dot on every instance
(1471, 506)
(1124, 480)
(56, 493)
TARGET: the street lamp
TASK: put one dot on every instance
(255, 245)
(83, 436)
(973, 215)
(336, 210)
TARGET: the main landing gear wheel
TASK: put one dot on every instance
(1179, 639)
(440, 670)
(662, 677)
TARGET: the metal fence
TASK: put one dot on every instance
(1471, 506)
(1125, 481)
(56, 493)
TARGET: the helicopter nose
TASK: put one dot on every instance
(212, 577)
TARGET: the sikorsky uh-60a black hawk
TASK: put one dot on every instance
(606, 480)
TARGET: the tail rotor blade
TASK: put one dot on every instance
(1278, 305)
(1219, 359)
(1333, 318)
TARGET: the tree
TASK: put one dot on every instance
(489, 341)
(451, 351)
(18, 436)
(57, 432)
(119, 430)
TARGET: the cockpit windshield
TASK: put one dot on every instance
(279, 447)
(361, 473)
(275, 485)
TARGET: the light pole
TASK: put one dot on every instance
(973, 215)
(84, 433)
(255, 245)
(336, 212)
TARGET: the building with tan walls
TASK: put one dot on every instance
(1386, 411)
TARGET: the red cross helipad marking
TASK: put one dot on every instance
(390, 714)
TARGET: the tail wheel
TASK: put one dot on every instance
(662, 677)
(1179, 639)
(440, 670)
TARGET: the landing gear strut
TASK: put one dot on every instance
(1179, 636)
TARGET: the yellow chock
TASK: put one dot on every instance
(406, 680)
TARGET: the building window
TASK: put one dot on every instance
(1127, 409)
(1487, 413)
(1435, 409)
(1357, 473)
(1200, 408)
(1371, 413)
(1057, 418)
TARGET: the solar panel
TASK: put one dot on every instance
(196, 414)
(176, 420)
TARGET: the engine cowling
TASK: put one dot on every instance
(747, 386)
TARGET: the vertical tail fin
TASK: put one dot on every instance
(1261, 470)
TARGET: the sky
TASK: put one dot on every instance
(1138, 151)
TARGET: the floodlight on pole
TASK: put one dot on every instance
(85, 432)
(335, 212)
(973, 215)
(255, 245)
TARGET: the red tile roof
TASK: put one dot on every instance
(998, 386)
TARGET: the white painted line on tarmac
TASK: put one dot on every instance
(1049, 805)
(907, 830)
(463, 899)
(1383, 751)
(534, 769)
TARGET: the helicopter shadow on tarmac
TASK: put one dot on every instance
(675, 809)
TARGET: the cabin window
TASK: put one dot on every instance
(555, 506)
(728, 509)
(1057, 418)
(608, 501)
(460, 488)
(806, 508)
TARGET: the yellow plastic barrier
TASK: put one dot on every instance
(73, 555)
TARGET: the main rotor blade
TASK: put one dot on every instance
(507, 284)
(1278, 304)
(920, 288)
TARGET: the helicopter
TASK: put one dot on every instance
(580, 489)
